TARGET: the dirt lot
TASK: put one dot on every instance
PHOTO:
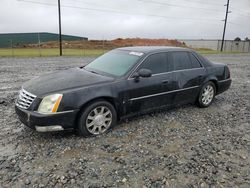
(182, 147)
(109, 44)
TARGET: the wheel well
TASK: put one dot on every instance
(215, 83)
(108, 99)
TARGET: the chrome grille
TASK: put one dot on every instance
(25, 99)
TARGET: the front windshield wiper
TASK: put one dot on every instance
(91, 71)
(94, 72)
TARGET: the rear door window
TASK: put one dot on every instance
(181, 60)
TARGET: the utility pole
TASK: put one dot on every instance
(83, 48)
(12, 50)
(60, 27)
(225, 26)
(39, 44)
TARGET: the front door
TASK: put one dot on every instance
(150, 93)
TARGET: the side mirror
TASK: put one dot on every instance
(145, 73)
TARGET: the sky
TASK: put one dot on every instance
(110, 19)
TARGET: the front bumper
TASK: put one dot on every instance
(47, 122)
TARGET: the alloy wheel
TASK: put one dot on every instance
(207, 95)
(99, 120)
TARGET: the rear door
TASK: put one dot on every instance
(150, 93)
(188, 75)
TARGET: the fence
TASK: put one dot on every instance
(84, 47)
(229, 45)
(235, 46)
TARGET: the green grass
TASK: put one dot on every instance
(32, 52)
(216, 52)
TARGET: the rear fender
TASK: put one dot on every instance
(213, 79)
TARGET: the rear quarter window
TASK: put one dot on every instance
(194, 61)
(204, 61)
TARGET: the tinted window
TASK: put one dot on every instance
(116, 63)
(195, 62)
(181, 60)
(156, 63)
(204, 60)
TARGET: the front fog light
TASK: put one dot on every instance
(50, 104)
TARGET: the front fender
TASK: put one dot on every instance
(78, 98)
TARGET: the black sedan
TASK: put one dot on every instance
(121, 83)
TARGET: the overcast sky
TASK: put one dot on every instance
(109, 19)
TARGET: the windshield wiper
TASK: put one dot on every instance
(91, 71)
(94, 72)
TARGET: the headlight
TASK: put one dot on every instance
(50, 104)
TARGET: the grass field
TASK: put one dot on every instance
(32, 52)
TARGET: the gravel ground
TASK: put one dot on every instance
(182, 147)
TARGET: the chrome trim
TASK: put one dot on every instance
(188, 69)
(172, 72)
(132, 72)
(177, 71)
(49, 128)
(25, 99)
(54, 113)
(135, 69)
(30, 94)
(157, 94)
(158, 74)
(225, 80)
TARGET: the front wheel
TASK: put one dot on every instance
(97, 118)
(206, 95)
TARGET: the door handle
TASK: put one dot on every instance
(165, 81)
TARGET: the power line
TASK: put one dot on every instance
(147, 1)
(176, 5)
(89, 3)
(120, 12)
(236, 24)
(241, 12)
(201, 8)
(115, 11)
(202, 2)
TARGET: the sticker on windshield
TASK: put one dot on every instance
(136, 53)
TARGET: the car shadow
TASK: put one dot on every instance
(69, 134)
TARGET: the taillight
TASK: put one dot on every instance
(227, 72)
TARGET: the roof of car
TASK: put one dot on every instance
(150, 49)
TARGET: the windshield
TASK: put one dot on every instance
(116, 63)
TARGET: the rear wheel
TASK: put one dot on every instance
(206, 95)
(97, 118)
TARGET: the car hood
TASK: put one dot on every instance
(64, 80)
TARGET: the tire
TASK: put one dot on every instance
(206, 95)
(97, 118)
